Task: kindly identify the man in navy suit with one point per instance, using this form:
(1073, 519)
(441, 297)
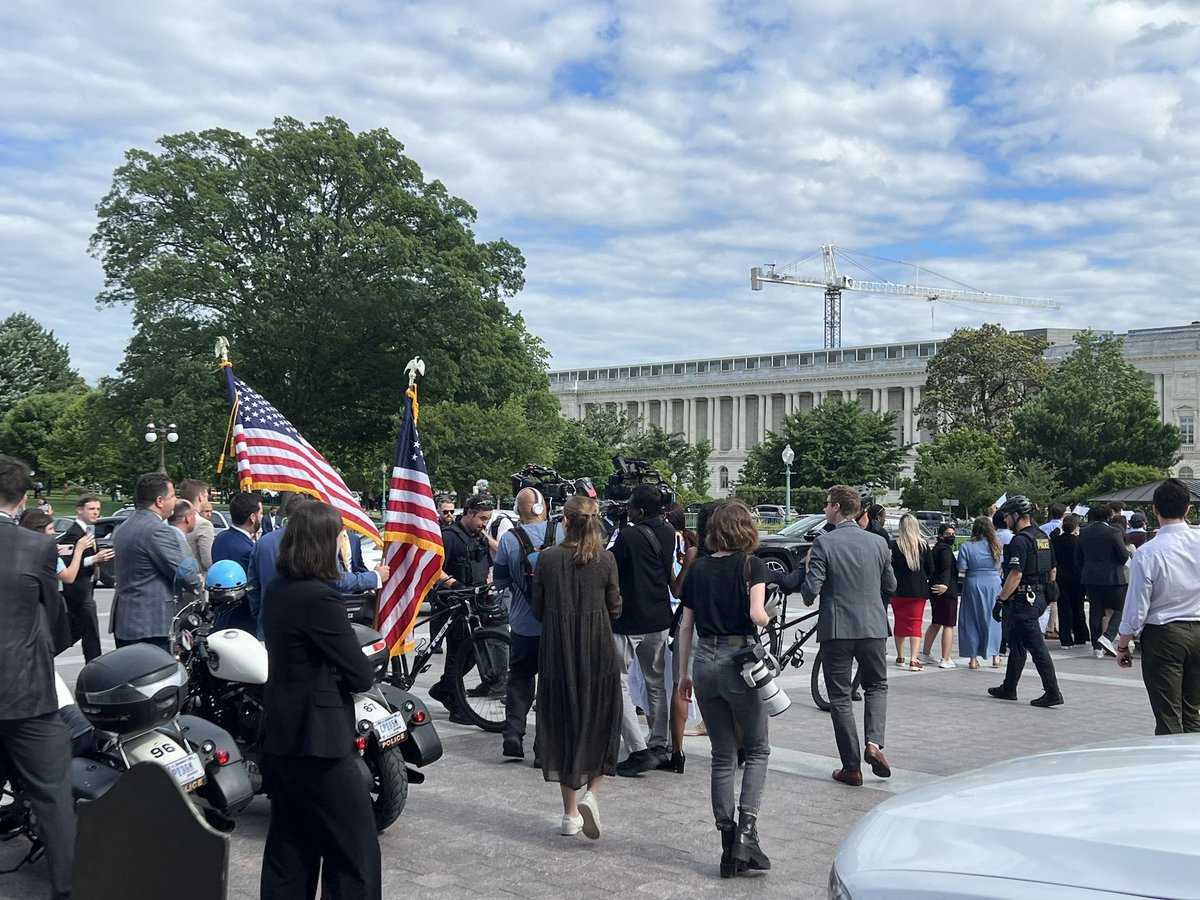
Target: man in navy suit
(356, 578)
(237, 543)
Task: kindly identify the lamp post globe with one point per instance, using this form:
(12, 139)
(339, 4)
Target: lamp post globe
(788, 456)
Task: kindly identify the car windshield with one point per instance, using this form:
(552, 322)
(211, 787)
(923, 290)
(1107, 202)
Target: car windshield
(803, 525)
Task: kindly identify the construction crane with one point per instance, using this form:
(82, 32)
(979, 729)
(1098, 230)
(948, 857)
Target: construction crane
(834, 283)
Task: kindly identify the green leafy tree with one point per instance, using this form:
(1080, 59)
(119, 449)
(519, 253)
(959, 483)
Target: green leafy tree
(835, 443)
(1037, 480)
(328, 261)
(1098, 409)
(29, 424)
(93, 442)
(683, 465)
(1118, 476)
(464, 442)
(32, 361)
(576, 455)
(963, 464)
(610, 428)
(979, 378)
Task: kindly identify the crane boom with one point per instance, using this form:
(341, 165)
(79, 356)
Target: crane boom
(833, 283)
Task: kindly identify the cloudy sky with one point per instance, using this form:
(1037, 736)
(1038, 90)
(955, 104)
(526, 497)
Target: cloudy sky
(644, 155)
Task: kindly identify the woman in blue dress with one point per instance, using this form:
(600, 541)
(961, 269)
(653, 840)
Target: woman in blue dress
(979, 564)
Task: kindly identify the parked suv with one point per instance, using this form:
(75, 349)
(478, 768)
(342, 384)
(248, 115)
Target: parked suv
(773, 513)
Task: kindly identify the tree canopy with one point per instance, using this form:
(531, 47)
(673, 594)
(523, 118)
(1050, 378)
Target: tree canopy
(328, 261)
(965, 465)
(979, 378)
(837, 442)
(1098, 409)
(32, 361)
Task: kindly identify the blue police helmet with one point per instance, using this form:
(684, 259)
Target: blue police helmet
(225, 575)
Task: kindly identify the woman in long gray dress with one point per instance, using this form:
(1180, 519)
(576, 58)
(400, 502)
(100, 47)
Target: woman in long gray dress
(979, 564)
(575, 597)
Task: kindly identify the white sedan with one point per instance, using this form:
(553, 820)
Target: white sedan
(1108, 820)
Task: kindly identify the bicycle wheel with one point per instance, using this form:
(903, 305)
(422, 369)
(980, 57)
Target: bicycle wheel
(481, 678)
(820, 692)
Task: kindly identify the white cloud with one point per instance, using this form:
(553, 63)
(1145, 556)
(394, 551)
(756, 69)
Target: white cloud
(1049, 154)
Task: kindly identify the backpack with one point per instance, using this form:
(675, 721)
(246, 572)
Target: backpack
(529, 555)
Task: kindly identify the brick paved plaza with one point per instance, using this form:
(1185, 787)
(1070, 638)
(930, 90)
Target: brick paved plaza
(483, 826)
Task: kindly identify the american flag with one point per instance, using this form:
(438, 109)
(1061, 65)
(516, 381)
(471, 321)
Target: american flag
(413, 550)
(271, 455)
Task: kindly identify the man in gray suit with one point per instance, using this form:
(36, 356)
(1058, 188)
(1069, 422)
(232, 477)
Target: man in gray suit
(849, 567)
(200, 538)
(35, 629)
(148, 554)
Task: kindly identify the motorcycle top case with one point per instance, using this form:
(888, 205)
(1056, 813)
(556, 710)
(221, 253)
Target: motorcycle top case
(132, 688)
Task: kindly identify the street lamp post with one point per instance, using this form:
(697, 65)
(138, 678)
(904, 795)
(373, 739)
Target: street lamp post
(386, 471)
(788, 456)
(165, 434)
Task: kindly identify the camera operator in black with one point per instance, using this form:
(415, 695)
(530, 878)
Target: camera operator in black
(1028, 582)
(466, 564)
(645, 552)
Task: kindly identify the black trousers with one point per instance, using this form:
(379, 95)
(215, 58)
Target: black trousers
(39, 750)
(1072, 621)
(522, 679)
(837, 659)
(85, 627)
(1025, 638)
(1100, 598)
(322, 831)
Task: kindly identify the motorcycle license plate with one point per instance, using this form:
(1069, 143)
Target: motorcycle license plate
(390, 730)
(187, 772)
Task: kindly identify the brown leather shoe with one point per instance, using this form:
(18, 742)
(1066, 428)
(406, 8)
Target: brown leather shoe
(854, 779)
(874, 757)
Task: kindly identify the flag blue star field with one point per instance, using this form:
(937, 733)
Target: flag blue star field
(272, 455)
(413, 548)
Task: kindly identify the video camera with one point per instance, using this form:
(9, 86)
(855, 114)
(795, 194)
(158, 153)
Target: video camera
(632, 472)
(552, 486)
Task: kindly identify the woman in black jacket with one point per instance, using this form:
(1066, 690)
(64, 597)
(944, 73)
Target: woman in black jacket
(943, 597)
(322, 828)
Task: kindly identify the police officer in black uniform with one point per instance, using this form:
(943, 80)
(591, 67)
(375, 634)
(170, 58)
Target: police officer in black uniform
(466, 564)
(1029, 569)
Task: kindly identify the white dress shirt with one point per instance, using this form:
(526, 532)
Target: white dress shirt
(1164, 580)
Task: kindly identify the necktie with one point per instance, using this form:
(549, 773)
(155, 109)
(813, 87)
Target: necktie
(344, 549)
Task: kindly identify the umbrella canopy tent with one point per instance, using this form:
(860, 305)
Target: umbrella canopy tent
(1144, 493)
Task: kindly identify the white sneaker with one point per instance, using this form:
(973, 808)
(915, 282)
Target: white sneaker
(926, 659)
(1105, 642)
(571, 825)
(589, 811)
(947, 664)
(1097, 654)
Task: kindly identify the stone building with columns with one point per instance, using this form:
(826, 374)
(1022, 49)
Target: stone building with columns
(733, 401)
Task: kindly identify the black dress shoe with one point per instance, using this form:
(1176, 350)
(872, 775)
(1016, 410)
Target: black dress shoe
(636, 763)
(1047, 700)
(513, 748)
(1000, 693)
(459, 718)
(442, 694)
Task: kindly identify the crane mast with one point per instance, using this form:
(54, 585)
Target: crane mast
(834, 283)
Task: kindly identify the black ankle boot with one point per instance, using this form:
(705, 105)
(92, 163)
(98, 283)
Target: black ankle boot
(673, 763)
(746, 851)
(728, 865)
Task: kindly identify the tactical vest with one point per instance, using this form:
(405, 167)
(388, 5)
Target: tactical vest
(1042, 557)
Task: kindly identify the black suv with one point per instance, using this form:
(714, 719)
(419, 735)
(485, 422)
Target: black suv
(784, 551)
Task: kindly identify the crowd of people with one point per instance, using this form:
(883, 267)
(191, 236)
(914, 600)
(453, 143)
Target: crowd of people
(618, 626)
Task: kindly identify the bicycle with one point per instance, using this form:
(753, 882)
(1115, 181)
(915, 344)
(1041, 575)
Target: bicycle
(480, 667)
(771, 636)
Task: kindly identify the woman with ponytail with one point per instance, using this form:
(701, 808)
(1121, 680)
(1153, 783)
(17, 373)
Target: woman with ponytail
(575, 597)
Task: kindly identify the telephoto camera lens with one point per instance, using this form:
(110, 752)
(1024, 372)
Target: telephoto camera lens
(757, 674)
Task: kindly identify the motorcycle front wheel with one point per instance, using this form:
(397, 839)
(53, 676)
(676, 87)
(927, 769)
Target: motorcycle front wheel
(390, 790)
(481, 678)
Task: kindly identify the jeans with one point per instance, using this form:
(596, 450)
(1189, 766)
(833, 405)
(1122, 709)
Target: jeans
(1025, 638)
(1171, 673)
(837, 658)
(651, 652)
(1100, 598)
(728, 703)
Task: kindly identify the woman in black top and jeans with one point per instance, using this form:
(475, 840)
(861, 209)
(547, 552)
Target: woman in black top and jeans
(724, 604)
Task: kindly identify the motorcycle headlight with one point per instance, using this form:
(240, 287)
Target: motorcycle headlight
(837, 887)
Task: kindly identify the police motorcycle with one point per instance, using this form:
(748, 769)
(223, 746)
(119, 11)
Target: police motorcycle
(126, 711)
(227, 671)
